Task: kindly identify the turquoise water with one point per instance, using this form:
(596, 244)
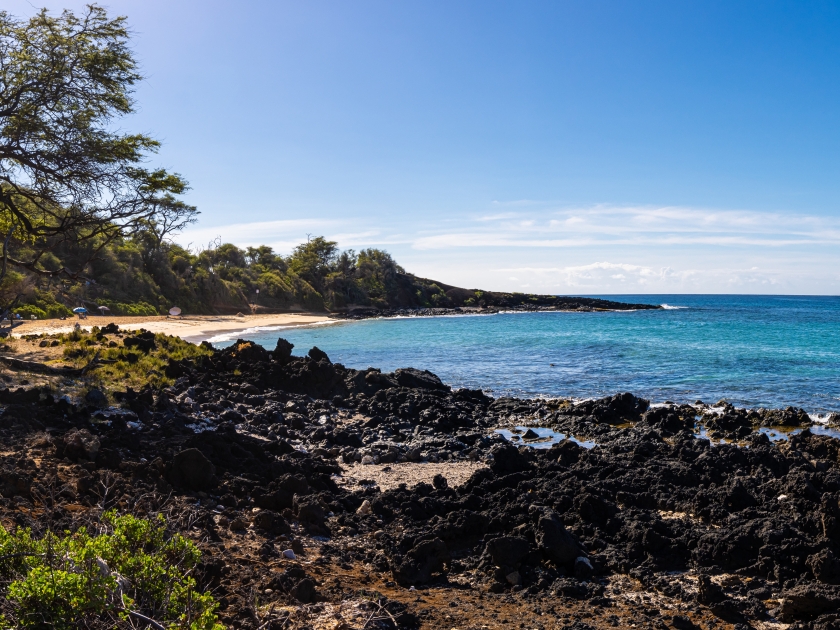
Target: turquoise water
(769, 351)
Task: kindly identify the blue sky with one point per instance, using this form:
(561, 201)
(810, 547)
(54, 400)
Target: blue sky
(568, 147)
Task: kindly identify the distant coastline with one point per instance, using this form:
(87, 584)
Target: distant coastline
(198, 328)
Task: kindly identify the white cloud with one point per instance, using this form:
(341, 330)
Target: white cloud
(665, 226)
(634, 249)
(258, 233)
(611, 277)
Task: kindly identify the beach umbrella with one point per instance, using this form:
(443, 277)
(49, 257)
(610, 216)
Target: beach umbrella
(174, 311)
(80, 309)
(104, 308)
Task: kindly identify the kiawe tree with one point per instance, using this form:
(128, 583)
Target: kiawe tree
(168, 214)
(66, 172)
(313, 260)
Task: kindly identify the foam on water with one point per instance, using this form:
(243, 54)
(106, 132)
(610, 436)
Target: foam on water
(259, 331)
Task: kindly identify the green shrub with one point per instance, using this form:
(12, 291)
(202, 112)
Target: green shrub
(138, 309)
(44, 306)
(27, 310)
(133, 569)
(134, 308)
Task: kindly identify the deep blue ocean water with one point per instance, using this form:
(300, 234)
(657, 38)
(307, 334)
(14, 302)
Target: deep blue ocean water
(770, 351)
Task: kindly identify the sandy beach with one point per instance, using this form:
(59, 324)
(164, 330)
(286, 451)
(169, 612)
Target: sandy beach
(194, 328)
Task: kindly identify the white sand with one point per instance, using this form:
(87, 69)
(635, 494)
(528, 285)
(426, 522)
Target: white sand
(192, 328)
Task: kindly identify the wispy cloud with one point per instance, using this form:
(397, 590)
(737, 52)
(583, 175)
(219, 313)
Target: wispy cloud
(259, 232)
(284, 235)
(665, 226)
(564, 228)
(606, 277)
(635, 249)
(519, 202)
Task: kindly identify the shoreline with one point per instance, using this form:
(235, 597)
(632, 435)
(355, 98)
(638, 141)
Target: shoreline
(198, 328)
(475, 509)
(194, 328)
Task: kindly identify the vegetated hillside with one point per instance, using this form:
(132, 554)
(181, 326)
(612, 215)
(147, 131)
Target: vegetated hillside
(142, 276)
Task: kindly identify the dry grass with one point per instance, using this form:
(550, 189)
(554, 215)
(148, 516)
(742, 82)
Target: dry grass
(122, 367)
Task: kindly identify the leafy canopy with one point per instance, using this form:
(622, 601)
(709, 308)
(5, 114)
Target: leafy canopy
(67, 174)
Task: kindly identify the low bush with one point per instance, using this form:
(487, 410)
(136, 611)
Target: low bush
(131, 574)
(27, 310)
(126, 366)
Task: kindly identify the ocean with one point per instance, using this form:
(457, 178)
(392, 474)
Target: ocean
(753, 351)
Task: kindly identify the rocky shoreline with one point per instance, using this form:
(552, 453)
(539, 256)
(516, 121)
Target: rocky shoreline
(327, 497)
(582, 305)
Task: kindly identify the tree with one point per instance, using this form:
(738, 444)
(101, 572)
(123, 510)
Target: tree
(265, 257)
(313, 260)
(170, 215)
(65, 174)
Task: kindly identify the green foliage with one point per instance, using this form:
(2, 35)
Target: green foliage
(43, 305)
(313, 260)
(132, 566)
(70, 176)
(127, 367)
(142, 276)
(28, 310)
(136, 308)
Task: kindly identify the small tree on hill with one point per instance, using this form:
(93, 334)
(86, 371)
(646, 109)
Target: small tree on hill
(313, 260)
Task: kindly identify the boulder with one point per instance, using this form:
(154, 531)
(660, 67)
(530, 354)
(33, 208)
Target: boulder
(788, 417)
(96, 398)
(14, 483)
(508, 551)
(555, 542)
(583, 568)
(667, 421)
(440, 482)
(81, 444)
(293, 484)
(271, 523)
(283, 351)
(312, 516)
(708, 592)
(316, 354)
(191, 469)
(507, 459)
(248, 352)
(278, 499)
(144, 341)
(418, 565)
(419, 379)
(807, 601)
(304, 591)
(825, 566)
